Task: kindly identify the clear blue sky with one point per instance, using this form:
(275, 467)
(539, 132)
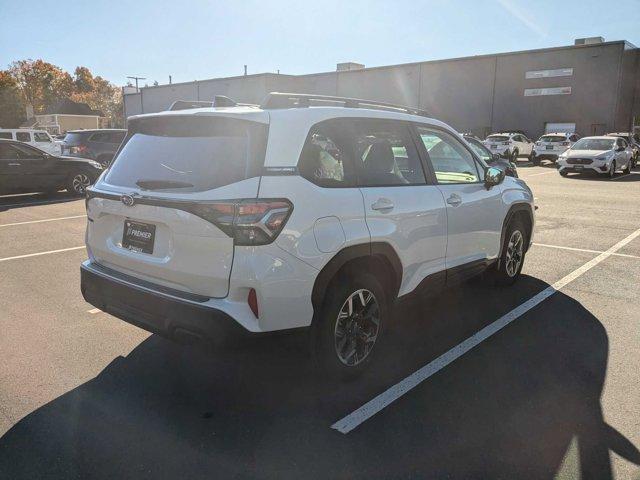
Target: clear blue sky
(192, 39)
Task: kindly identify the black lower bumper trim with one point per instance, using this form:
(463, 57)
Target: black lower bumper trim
(170, 317)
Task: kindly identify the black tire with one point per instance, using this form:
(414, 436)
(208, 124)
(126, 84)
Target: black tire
(535, 160)
(563, 173)
(612, 170)
(507, 272)
(627, 169)
(328, 348)
(532, 156)
(78, 182)
(514, 156)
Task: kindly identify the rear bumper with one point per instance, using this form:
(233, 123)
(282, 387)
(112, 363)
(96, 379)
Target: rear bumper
(172, 314)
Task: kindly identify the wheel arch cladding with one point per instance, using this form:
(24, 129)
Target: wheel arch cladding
(523, 212)
(378, 257)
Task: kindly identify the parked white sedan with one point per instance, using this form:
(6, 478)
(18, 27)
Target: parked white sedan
(603, 155)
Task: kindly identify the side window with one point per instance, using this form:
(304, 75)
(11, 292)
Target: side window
(6, 135)
(324, 157)
(7, 152)
(385, 155)
(41, 137)
(23, 136)
(27, 152)
(451, 161)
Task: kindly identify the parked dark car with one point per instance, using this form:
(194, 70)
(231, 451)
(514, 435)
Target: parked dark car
(24, 168)
(100, 145)
(491, 159)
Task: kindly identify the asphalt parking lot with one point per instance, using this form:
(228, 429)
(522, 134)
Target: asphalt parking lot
(550, 391)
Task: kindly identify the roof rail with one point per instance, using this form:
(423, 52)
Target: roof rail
(277, 100)
(218, 101)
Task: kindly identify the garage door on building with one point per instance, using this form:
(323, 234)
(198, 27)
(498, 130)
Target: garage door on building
(559, 127)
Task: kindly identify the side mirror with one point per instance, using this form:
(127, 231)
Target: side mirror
(493, 176)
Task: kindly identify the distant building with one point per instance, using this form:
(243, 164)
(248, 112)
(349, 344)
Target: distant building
(67, 115)
(592, 87)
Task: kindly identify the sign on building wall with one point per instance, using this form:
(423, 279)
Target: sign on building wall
(559, 72)
(535, 92)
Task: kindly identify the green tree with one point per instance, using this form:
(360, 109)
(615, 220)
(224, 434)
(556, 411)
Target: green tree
(12, 108)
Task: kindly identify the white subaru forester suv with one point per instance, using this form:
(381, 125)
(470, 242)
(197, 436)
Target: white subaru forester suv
(306, 212)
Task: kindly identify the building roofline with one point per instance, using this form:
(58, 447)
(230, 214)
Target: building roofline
(625, 43)
(253, 75)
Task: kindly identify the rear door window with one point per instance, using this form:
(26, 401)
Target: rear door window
(23, 136)
(189, 154)
(6, 135)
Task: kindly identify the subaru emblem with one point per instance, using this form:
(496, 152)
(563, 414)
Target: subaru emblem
(127, 199)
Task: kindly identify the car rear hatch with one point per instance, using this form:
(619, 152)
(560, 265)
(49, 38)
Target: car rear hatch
(158, 212)
(553, 142)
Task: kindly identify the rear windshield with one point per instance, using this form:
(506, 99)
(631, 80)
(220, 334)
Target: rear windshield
(75, 138)
(497, 138)
(594, 144)
(189, 154)
(553, 138)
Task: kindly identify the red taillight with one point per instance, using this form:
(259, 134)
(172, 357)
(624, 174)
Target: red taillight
(249, 222)
(252, 300)
(78, 150)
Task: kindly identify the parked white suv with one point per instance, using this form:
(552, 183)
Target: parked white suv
(603, 155)
(294, 215)
(551, 145)
(36, 138)
(510, 145)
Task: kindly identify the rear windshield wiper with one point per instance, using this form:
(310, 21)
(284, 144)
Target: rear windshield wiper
(160, 184)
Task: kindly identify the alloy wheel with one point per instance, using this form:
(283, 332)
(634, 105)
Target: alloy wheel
(515, 253)
(80, 182)
(357, 327)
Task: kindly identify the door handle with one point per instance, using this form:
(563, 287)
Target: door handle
(382, 204)
(454, 200)
(15, 164)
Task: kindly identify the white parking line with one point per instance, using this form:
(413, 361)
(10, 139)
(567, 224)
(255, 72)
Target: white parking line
(369, 409)
(561, 247)
(94, 310)
(40, 253)
(41, 221)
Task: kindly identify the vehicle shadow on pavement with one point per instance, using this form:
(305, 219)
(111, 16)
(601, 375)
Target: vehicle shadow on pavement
(510, 408)
(30, 199)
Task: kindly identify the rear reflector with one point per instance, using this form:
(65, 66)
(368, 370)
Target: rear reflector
(252, 300)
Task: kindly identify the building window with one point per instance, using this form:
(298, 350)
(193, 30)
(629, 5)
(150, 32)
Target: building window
(559, 72)
(536, 92)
